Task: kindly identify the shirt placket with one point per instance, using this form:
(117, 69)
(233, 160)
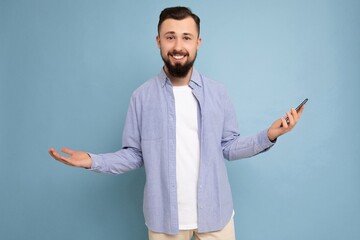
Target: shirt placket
(172, 157)
(201, 196)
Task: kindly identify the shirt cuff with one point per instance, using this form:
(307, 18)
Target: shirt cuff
(265, 141)
(96, 163)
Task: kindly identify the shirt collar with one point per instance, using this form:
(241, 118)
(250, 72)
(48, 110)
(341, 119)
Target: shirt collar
(195, 79)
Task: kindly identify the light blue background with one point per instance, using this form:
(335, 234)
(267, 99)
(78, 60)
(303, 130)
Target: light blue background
(68, 68)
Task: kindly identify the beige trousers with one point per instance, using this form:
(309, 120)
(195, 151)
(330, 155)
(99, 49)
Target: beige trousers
(227, 233)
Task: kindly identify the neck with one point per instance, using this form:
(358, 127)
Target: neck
(179, 81)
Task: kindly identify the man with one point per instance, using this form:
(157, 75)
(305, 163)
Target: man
(180, 126)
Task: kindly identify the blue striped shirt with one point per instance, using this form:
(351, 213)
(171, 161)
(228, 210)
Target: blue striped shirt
(149, 140)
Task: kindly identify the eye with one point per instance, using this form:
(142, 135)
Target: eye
(170, 37)
(187, 38)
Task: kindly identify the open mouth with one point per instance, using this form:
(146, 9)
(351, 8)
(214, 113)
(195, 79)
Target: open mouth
(178, 55)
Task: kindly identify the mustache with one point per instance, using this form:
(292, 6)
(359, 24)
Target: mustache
(175, 52)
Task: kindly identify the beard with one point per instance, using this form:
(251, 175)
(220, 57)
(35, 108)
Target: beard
(178, 70)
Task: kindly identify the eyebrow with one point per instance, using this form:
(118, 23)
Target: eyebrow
(172, 32)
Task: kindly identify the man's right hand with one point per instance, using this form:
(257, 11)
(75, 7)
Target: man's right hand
(76, 158)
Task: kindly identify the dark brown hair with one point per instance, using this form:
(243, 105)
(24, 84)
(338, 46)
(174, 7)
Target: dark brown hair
(178, 13)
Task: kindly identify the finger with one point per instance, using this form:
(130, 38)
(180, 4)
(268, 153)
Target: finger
(54, 154)
(68, 151)
(284, 124)
(295, 115)
(60, 158)
(278, 123)
(51, 151)
(291, 118)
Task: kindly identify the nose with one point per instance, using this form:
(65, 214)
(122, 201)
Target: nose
(178, 45)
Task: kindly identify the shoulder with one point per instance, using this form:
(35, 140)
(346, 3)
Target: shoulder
(147, 88)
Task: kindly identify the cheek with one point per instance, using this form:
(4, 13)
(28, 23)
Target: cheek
(164, 48)
(163, 52)
(192, 50)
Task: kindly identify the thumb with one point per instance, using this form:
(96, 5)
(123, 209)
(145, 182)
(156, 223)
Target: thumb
(68, 151)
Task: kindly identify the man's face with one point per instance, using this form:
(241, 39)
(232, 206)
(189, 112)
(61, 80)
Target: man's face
(178, 41)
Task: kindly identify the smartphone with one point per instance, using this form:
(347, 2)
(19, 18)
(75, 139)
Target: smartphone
(297, 110)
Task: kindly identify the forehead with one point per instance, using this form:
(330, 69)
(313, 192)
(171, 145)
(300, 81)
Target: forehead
(186, 25)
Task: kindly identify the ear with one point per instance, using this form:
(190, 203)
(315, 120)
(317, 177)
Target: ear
(158, 41)
(198, 42)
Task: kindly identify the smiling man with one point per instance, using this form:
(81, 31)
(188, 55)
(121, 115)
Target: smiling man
(181, 126)
(179, 40)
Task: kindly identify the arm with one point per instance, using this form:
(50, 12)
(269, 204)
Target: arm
(237, 147)
(124, 160)
(233, 144)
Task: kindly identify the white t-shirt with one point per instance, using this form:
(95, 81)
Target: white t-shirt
(187, 156)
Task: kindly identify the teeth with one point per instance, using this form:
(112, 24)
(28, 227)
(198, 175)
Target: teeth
(178, 57)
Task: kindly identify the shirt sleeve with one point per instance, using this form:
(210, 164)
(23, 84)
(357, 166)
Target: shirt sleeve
(235, 146)
(129, 157)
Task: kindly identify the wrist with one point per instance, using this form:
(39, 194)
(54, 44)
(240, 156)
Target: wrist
(271, 136)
